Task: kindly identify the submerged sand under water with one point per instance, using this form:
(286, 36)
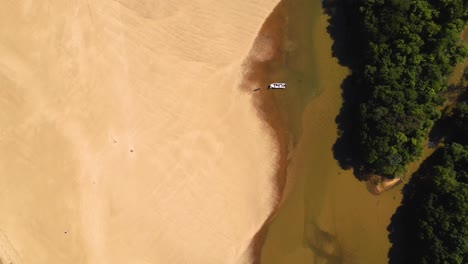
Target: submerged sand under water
(327, 215)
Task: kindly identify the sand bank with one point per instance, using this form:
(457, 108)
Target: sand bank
(377, 184)
(124, 135)
(328, 216)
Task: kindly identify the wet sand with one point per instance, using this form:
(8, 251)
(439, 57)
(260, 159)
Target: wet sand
(326, 215)
(270, 60)
(125, 136)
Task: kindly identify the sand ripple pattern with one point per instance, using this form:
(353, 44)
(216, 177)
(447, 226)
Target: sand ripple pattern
(124, 134)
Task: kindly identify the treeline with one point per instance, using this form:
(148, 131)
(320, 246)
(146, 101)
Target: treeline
(431, 225)
(405, 50)
(409, 47)
(460, 122)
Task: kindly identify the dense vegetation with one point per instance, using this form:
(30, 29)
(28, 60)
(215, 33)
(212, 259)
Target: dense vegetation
(460, 123)
(431, 225)
(408, 48)
(402, 52)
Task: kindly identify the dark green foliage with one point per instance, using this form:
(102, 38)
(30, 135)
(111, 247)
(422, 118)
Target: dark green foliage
(431, 225)
(460, 122)
(410, 46)
(453, 126)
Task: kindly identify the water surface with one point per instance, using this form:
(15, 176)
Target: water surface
(328, 216)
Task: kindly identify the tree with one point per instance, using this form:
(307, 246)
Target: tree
(431, 224)
(460, 120)
(410, 47)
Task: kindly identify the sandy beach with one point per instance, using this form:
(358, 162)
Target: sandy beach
(125, 136)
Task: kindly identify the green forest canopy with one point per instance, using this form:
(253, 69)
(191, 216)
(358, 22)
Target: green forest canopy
(431, 225)
(410, 47)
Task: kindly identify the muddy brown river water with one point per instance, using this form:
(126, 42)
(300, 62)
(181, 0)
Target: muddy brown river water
(327, 215)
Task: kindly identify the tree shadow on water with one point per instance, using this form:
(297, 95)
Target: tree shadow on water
(344, 30)
(347, 48)
(403, 227)
(444, 130)
(343, 147)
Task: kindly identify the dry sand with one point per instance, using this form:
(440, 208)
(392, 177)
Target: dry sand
(124, 135)
(378, 184)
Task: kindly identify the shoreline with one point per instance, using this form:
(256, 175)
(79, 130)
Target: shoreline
(147, 164)
(377, 185)
(268, 48)
(368, 199)
(271, 59)
(258, 65)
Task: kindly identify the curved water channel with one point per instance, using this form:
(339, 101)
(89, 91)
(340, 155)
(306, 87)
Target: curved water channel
(326, 215)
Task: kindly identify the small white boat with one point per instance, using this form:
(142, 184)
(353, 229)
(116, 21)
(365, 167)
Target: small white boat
(277, 86)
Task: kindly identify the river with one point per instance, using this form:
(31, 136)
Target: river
(326, 215)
